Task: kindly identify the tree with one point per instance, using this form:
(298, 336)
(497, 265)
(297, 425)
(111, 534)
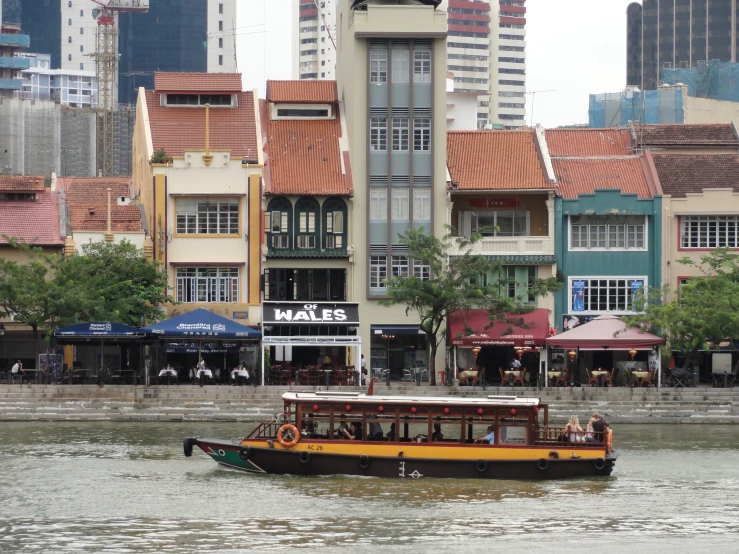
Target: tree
(459, 282)
(703, 313)
(160, 157)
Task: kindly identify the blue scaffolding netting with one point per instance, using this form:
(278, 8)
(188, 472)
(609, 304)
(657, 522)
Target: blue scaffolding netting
(714, 79)
(616, 109)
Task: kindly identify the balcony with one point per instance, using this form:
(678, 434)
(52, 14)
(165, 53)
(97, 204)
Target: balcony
(18, 40)
(540, 248)
(11, 84)
(8, 62)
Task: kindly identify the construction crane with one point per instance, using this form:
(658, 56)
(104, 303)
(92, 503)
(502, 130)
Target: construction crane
(106, 69)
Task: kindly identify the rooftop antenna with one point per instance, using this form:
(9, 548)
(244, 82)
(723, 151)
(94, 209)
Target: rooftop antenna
(533, 94)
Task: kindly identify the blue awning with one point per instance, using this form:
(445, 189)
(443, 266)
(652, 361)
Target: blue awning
(201, 324)
(99, 329)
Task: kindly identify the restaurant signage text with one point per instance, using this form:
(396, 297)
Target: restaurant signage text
(318, 313)
(492, 202)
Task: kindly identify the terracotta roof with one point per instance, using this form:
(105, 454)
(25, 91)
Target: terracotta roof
(179, 129)
(13, 183)
(87, 199)
(588, 142)
(494, 160)
(720, 134)
(681, 174)
(302, 92)
(33, 222)
(197, 82)
(576, 176)
(304, 157)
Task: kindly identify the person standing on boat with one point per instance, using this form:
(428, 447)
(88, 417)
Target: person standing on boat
(489, 438)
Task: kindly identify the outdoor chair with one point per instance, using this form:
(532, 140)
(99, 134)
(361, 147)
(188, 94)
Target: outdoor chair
(680, 377)
(592, 381)
(520, 378)
(351, 375)
(505, 379)
(407, 375)
(610, 379)
(561, 379)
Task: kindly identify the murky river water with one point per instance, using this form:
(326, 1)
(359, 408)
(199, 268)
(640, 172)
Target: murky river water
(97, 487)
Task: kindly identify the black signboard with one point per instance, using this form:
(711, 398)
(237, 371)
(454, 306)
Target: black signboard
(307, 313)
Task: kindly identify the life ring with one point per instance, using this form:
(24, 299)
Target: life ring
(245, 452)
(609, 441)
(288, 430)
(599, 463)
(482, 466)
(542, 464)
(304, 457)
(187, 446)
(364, 461)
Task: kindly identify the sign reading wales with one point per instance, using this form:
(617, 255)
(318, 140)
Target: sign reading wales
(341, 313)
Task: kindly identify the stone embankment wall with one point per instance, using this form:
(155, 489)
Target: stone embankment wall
(226, 403)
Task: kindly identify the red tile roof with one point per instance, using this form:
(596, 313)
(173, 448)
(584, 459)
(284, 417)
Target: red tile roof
(302, 92)
(576, 176)
(681, 174)
(304, 157)
(720, 134)
(179, 129)
(13, 183)
(33, 222)
(197, 82)
(588, 142)
(87, 199)
(494, 160)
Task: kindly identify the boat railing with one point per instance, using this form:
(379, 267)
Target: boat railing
(553, 436)
(265, 430)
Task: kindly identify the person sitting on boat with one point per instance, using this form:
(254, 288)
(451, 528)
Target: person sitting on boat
(600, 426)
(437, 434)
(573, 431)
(391, 433)
(355, 433)
(375, 431)
(589, 431)
(489, 438)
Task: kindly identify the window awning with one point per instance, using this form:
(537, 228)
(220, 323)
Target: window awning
(605, 331)
(534, 331)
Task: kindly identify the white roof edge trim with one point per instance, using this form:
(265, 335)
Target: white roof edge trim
(363, 398)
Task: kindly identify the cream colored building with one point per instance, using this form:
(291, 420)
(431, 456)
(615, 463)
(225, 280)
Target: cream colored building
(203, 205)
(391, 84)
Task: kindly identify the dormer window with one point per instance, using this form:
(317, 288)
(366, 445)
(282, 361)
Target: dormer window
(302, 111)
(17, 196)
(222, 100)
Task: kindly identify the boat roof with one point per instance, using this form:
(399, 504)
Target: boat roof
(362, 398)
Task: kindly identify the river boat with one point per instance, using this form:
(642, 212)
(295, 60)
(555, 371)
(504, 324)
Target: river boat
(350, 433)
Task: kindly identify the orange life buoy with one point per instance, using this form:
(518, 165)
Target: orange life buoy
(609, 441)
(288, 430)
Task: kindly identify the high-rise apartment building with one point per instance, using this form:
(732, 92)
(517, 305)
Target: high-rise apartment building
(391, 69)
(314, 39)
(678, 33)
(486, 52)
(174, 35)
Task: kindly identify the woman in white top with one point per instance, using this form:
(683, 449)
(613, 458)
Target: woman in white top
(573, 430)
(589, 431)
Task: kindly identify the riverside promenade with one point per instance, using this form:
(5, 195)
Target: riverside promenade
(248, 403)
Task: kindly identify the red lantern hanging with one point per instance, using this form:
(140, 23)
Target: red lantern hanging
(536, 410)
(513, 411)
(446, 410)
(348, 408)
(480, 411)
(413, 410)
(315, 407)
(380, 408)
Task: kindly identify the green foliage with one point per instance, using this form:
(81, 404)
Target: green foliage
(703, 314)
(461, 281)
(109, 282)
(160, 157)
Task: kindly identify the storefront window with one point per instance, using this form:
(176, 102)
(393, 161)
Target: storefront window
(395, 350)
(311, 285)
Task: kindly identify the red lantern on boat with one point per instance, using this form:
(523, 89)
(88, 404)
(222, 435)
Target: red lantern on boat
(446, 410)
(315, 407)
(480, 411)
(380, 408)
(348, 408)
(513, 411)
(413, 410)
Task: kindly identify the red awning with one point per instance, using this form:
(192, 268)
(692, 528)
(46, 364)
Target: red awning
(497, 333)
(605, 331)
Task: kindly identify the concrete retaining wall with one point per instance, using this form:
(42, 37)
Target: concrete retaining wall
(225, 403)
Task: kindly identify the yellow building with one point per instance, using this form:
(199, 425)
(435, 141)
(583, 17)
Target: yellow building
(202, 195)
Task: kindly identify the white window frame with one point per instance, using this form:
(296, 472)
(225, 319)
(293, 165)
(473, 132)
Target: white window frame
(378, 65)
(421, 134)
(421, 203)
(627, 279)
(618, 231)
(378, 272)
(422, 66)
(401, 134)
(422, 272)
(400, 209)
(400, 265)
(469, 222)
(705, 231)
(378, 134)
(208, 216)
(213, 285)
(401, 65)
(378, 204)
(335, 229)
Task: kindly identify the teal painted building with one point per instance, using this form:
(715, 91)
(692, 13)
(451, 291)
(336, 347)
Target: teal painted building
(608, 244)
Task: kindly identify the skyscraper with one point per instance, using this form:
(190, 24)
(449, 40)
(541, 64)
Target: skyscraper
(677, 33)
(314, 39)
(174, 35)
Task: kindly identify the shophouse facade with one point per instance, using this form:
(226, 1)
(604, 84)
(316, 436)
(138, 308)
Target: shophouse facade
(203, 208)
(307, 254)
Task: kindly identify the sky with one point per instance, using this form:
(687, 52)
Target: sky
(574, 48)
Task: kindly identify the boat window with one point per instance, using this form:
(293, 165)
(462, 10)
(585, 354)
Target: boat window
(512, 435)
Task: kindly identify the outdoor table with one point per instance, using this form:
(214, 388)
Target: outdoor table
(207, 372)
(600, 375)
(640, 377)
(169, 374)
(467, 375)
(237, 374)
(553, 376)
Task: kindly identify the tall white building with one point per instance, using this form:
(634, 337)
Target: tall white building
(221, 36)
(314, 39)
(486, 52)
(72, 87)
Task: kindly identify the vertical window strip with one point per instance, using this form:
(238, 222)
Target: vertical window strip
(378, 66)
(378, 203)
(401, 58)
(378, 272)
(421, 134)
(400, 206)
(400, 133)
(422, 66)
(378, 134)
(421, 203)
